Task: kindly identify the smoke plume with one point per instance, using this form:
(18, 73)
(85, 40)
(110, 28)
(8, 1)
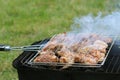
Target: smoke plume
(103, 25)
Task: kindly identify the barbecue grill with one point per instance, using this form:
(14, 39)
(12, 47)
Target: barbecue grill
(109, 71)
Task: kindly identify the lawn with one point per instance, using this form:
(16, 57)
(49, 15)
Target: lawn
(23, 22)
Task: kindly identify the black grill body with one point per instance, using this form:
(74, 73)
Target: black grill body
(109, 71)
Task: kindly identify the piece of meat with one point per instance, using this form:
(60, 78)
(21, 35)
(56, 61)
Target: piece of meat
(66, 56)
(78, 57)
(97, 54)
(100, 44)
(89, 59)
(46, 57)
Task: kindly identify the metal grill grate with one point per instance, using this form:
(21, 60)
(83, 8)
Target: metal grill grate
(112, 64)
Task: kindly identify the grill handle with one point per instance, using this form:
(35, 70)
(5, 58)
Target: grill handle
(23, 48)
(4, 48)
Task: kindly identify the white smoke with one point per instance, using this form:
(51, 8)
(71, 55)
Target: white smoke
(82, 27)
(103, 25)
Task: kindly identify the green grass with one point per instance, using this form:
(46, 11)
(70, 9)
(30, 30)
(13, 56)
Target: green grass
(23, 22)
